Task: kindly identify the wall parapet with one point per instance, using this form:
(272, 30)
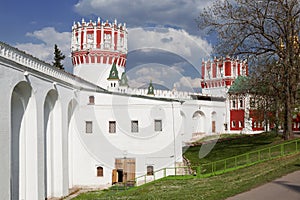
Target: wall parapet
(31, 62)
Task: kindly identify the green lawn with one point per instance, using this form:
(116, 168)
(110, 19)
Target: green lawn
(217, 187)
(231, 147)
(213, 188)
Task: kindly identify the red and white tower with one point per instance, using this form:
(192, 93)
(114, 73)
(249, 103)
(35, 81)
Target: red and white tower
(95, 47)
(219, 74)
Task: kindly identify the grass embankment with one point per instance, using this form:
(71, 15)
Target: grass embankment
(217, 187)
(228, 147)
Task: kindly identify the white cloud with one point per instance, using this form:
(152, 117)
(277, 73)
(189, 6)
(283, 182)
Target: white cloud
(45, 49)
(188, 82)
(179, 42)
(177, 13)
(166, 76)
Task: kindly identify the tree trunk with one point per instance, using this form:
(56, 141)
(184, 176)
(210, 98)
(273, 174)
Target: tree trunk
(288, 131)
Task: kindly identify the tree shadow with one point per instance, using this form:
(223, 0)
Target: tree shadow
(288, 185)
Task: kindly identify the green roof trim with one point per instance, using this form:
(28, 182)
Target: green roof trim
(150, 89)
(113, 74)
(241, 85)
(124, 80)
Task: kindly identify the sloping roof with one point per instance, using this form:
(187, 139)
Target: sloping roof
(113, 75)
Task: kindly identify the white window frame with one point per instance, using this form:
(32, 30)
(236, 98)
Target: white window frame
(233, 105)
(241, 124)
(233, 124)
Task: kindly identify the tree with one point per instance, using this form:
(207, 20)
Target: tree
(263, 31)
(58, 57)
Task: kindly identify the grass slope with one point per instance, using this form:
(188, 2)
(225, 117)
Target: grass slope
(217, 187)
(231, 147)
(213, 188)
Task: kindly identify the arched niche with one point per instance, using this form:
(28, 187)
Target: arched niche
(52, 145)
(23, 157)
(199, 126)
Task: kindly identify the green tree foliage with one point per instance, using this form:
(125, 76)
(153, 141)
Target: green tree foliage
(58, 58)
(265, 32)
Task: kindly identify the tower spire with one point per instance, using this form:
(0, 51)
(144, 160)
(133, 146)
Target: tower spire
(150, 89)
(113, 75)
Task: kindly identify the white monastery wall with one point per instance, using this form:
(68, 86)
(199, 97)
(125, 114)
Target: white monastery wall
(147, 146)
(199, 116)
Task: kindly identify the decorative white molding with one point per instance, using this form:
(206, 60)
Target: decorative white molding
(20, 57)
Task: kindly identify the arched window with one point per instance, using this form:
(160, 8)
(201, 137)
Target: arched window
(233, 103)
(241, 124)
(233, 124)
(241, 103)
(213, 122)
(91, 100)
(99, 171)
(149, 170)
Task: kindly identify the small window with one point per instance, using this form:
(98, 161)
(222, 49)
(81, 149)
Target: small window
(89, 127)
(233, 123)
(252, 103)
(150, 170)
(254, 124)
(91, 100)
(100, 171)
(157, 125)
(233, 103)
(134, 126)
(241, 103)
(112, 127)
(241, 124)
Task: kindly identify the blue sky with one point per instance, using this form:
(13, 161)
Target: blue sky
(164, 43)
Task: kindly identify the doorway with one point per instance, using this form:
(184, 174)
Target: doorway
(124, 171)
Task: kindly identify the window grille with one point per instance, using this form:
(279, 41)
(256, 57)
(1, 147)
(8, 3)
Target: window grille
(134, 126)
(112, 127)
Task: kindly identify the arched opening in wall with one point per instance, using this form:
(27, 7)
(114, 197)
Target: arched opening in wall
(183, 121)
(52, 145)
(213, 122)
(199, 127)
(73, 105)
(23, 157)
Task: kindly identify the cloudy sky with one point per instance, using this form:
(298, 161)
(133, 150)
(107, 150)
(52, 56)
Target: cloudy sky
(164, 43)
